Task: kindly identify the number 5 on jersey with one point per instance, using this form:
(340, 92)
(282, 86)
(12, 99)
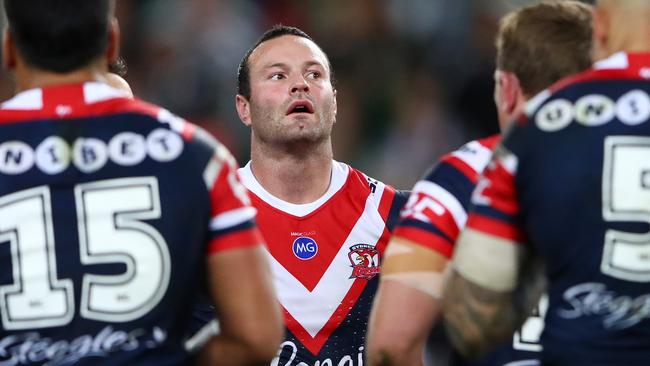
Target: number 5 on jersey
(626, 197)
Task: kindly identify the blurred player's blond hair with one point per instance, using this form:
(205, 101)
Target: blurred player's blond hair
(548, 33)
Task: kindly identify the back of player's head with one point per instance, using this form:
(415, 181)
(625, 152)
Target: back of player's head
(621, 25)
(243, 72)
(59, 35)
(545, 42)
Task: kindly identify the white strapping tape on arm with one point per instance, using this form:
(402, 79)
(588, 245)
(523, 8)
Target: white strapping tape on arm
(488, 261)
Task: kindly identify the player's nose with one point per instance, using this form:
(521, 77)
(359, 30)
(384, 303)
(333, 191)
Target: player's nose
(299, 84)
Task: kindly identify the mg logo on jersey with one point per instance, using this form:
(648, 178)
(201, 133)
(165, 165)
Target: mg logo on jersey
(365, 261)
(305, 248)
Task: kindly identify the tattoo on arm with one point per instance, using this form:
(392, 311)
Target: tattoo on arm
(477, 319)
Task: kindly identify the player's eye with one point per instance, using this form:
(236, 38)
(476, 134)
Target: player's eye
(314, 74)
(277, 76)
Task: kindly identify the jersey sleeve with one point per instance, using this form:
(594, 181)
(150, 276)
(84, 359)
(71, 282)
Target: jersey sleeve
(495, 207)
(232, 218)
(489, 251)
(436, 210)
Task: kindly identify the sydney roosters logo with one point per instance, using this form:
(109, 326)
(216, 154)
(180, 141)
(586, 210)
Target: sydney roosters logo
(365, 261)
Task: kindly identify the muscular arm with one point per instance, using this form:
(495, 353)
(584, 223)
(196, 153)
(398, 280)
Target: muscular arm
(250, 321)
(484, 306)
(477, 319)
(406, 304)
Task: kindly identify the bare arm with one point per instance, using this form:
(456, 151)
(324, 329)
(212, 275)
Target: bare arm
(249, 316)
(478, 319)
(492, 297)
(406, 305)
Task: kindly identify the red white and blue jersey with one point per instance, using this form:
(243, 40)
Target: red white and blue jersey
(109, 208)
(436, 210)
(435, 214)
(571, 183)
(325, 257)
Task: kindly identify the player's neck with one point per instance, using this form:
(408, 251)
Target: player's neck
(296, 176)
(29, 78)
(631, 34)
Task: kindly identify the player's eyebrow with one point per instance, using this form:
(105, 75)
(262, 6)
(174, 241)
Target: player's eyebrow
(283, 65)
(280, 65)
(313, 63)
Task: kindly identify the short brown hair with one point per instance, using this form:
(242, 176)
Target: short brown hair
(279, 30)
(544, 43)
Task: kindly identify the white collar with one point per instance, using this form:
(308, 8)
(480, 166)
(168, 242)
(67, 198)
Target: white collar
(340, 173)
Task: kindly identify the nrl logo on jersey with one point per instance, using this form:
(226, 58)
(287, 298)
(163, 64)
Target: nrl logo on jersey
(365, 261)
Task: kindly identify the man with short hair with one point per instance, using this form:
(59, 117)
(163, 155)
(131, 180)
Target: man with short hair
(326, 224)
(536, 46)
(568, 186)
(114, 213)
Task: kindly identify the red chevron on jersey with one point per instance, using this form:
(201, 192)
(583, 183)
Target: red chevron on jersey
(317, 250)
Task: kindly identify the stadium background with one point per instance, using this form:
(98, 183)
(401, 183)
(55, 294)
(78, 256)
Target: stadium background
(414, 77)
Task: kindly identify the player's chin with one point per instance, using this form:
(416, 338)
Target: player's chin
(305, 134)
(301, 118)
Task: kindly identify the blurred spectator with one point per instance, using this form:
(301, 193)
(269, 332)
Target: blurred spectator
(414, 77)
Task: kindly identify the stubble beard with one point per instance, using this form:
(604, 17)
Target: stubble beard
(273, 127)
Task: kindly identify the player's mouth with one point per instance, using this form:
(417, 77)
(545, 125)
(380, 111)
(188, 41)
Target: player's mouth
(300, 106)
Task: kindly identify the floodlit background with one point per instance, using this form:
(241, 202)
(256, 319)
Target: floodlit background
(414, 77)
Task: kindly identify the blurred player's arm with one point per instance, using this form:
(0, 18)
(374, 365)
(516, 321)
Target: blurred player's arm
(492, 288)
(250, 321)
(494, 284)
(239, 279)
(406, 304)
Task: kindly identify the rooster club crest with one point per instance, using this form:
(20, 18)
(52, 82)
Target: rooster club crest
(365, 261)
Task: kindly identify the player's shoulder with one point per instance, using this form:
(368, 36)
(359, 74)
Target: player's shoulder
(387, 200)
(614, 88)
(358, 180)
(469, 160)
(95, 101)
(192, 135)
(474, 153)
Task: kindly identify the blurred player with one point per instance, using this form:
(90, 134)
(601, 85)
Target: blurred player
(113, 210)
(536, 46)
(115, 76)
(118, 82)
(569, 185)
(326, 224)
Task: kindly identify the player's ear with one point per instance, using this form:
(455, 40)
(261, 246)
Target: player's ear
(243, 109)
(9, 50)
(510, 91)
(501, 90)
(600, 24)
(113, 49)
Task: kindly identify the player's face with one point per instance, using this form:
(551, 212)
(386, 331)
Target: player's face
(292, 98)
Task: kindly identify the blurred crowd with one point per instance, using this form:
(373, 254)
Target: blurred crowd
(414, 77)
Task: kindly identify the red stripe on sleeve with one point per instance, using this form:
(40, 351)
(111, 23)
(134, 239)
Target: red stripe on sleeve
(463, 167)
(227, 192)
(443, 221)
(501, 190)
